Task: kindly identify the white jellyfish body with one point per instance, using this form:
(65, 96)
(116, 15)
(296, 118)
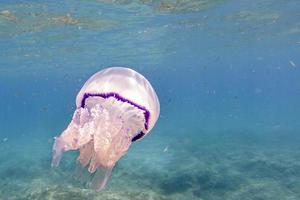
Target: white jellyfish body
(115, 107)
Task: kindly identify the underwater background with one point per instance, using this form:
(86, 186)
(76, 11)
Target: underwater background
(227, 73)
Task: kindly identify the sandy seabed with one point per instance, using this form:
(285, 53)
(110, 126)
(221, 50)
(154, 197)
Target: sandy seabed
(213, 166)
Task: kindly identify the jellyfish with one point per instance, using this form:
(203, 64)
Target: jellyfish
(115, 107)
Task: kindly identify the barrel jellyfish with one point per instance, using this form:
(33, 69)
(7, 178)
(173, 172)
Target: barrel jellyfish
(115, 107)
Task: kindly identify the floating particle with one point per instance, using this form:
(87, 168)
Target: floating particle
(292, 63)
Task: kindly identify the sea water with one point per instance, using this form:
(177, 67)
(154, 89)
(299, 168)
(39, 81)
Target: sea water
(227, 74)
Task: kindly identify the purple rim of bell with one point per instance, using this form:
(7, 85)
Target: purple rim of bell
(119, 98)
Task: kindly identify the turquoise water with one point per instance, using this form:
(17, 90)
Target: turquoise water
(227, 74)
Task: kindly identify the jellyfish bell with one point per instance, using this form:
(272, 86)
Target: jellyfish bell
(115, 107)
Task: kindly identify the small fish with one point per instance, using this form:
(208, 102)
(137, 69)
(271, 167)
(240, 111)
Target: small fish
(166, 148)
(4, 139)
(292, 63)
(44, 109)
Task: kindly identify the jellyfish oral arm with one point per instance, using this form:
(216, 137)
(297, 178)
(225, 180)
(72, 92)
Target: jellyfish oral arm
(63, 143)
(103, 133)
(73, 137)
